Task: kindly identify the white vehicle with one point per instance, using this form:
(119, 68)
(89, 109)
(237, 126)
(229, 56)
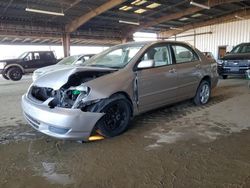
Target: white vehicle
(64, 63)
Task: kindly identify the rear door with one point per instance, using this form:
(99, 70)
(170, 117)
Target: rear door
(47, 59)
(188, 66)
(157, 86)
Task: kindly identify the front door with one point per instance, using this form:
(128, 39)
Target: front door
(157, 86)
(28, 62)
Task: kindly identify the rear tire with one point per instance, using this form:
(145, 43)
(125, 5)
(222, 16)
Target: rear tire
(15, 73)
(116, 118)
(5, 76)
(224, 77)
(203, 93)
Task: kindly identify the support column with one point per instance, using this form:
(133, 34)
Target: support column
(194, 38)
(66, 44)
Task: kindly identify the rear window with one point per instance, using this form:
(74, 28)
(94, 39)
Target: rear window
(46, 55)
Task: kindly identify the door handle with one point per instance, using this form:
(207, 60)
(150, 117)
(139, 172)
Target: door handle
(172, 70)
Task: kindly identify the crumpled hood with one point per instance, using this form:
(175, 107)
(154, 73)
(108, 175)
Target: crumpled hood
(229, 57)
(56, 79)
(51, 68)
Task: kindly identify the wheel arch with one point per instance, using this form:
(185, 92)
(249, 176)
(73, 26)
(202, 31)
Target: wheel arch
(14, 66)
(206, 78)
(117, 95)
(126, 95)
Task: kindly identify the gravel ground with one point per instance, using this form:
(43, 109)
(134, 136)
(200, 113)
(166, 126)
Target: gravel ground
(177, 146)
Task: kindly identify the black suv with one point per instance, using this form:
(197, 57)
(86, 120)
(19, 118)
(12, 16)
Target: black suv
(13, 69)
(237, 62)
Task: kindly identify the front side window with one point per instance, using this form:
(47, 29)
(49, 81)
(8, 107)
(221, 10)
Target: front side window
(28, 57)
(183, 54)
(85, 58)
(160, 55)
(117, 57)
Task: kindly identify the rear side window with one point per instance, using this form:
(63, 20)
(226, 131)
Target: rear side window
(184, 54)
(36, 56)
(46, 55)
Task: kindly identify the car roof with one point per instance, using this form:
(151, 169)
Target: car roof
(82, 55)
(244, 43)
(151, 43)
(40, 51)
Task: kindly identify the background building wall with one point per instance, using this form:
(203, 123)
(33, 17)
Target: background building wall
(209, 38)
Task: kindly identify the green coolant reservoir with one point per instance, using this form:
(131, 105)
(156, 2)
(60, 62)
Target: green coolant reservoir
(76, 92)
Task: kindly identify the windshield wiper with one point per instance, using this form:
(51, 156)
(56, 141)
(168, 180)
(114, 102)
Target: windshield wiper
(103, 66)
(95, 65)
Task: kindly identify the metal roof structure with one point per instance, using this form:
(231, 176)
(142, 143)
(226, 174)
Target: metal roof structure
(103, 22)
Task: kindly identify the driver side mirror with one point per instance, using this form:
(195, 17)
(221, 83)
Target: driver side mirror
(146, 64)
(26, 58)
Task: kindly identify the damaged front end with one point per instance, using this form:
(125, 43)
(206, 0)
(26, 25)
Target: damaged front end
(63, 110)
(71, 95)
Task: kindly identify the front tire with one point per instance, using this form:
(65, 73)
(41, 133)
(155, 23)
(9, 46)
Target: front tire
(203, 93)
(116, 118)
(15, 74)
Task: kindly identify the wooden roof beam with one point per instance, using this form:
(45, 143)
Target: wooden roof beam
(174, 16)
(72, 26)
(227, 18)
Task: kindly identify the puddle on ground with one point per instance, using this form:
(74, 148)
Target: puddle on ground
(49, 172)
(48, 163)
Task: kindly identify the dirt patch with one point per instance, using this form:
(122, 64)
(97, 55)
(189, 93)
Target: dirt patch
(178, 146)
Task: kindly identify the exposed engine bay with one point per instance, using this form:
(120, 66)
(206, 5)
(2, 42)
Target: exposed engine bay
(71, 94)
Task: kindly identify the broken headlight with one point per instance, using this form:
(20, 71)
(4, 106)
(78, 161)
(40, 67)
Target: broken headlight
(78, 94)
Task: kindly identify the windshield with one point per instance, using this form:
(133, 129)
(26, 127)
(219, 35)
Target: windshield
(69, 60)
(116, 57)
(23, 55)
(236, 49)
(242, 48)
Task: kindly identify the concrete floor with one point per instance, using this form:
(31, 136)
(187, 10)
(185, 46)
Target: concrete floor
(178, 146)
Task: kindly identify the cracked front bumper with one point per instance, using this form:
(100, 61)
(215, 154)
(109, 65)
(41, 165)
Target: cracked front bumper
(61, 123)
